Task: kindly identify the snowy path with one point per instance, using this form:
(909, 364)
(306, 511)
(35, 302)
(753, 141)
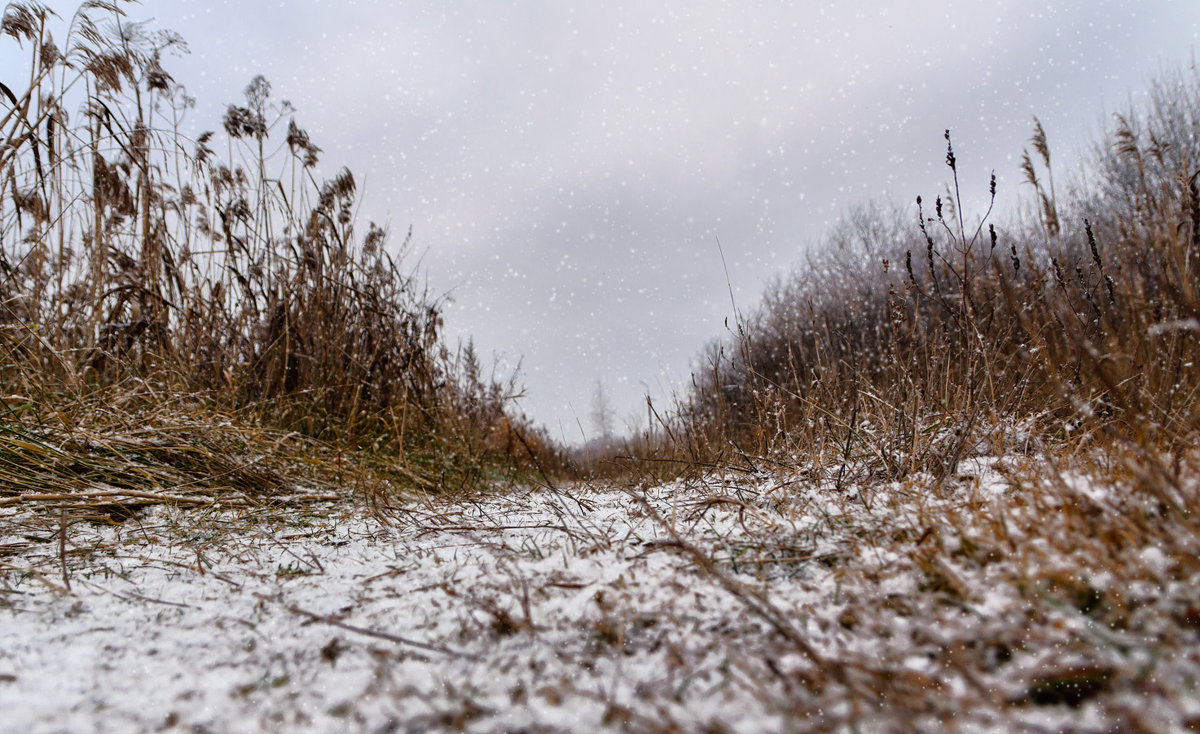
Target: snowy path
(536, 613)
(531, 614)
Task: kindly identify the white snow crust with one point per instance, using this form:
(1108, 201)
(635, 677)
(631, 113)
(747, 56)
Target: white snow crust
(536, 612)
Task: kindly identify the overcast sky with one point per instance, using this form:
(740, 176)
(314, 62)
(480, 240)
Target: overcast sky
(567, 167)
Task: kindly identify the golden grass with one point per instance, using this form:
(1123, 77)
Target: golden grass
(185, 325)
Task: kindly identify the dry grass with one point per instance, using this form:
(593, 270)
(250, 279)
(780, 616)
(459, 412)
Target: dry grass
(905, 346)
(982, 437)
(1066, 347)
(187, 318)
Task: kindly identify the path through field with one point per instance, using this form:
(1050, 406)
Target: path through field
(712, 607)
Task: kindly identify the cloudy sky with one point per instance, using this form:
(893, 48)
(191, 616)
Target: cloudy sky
(568, 167)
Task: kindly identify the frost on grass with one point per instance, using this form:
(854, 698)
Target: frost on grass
(728, 604)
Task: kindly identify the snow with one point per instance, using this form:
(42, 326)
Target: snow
(548, 611)
(510, 606)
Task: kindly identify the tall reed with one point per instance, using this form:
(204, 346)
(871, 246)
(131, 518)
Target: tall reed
(142, 263)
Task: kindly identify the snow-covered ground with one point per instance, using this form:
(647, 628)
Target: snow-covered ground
(720, 606)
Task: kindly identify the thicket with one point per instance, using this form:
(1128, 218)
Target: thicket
(914, 337)
(208, 312)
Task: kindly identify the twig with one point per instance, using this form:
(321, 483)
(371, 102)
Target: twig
(754, 601)
(106, 494)
(380, 635)
(62, 544)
